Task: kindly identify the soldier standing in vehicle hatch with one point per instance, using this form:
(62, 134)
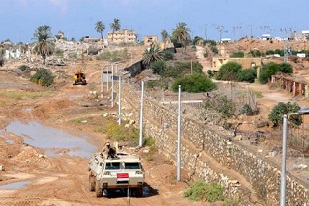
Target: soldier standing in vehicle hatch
(108, 151)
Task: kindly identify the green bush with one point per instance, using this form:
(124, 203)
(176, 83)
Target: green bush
(272, 68)
(199, 190)
(246, 109)
(120, 133)
(237, 55)
(158, 67)
(180, 69)
(43, 77)
(114, 56)
(255, 53)
(222, 104)
(285, 67)
(210, 73)
(167, 55)
(59, 52)
(194, 83)
(229, 71)
(276, 115)
(247, 75)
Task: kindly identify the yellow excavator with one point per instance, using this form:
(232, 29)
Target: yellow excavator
(79, 77)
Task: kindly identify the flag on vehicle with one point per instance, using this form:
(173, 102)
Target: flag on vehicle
(122, 177)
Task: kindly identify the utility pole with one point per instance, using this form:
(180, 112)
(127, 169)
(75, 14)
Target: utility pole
(112, 94)
(119, 102)
(179, 136)
(102, 82)
(141, 117)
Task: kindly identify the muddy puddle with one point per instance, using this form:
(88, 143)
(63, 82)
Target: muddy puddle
(51, 139)
(15, 185)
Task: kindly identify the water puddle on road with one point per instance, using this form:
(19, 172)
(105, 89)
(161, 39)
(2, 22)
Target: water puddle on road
(38, 135)
(15, 185)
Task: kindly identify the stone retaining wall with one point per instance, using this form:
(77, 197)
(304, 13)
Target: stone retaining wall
(201, 143)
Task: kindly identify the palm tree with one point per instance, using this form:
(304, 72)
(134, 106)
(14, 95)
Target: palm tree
(181, 34)
(164, 35)
(99, 27)
(115, 27)
(43, 46)
(152, 54)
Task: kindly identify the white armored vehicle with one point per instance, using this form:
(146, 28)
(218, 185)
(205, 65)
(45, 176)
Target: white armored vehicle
(111, 174)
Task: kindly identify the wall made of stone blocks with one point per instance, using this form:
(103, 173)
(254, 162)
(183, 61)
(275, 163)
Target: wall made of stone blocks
(197, 138)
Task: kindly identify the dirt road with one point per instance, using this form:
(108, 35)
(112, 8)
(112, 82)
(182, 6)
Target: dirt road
(47, 136)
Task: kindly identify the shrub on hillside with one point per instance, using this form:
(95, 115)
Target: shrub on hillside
(255, 53)
(43, 77)
(200, 190)
(194, 83)
(158, 67)
(237, 55)
(222, 104)
(167, 55)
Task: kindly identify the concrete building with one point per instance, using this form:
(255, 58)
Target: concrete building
(246, 63)
(122, 36)
(150, 39)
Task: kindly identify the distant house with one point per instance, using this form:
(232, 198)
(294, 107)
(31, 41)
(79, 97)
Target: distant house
(266, 36)
(246, 63)
(121, 36)
(225, 40)
(150, 39)
(91, 39)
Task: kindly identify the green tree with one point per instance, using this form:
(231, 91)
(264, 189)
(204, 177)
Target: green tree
(229, 71)
(182, 35)
(152, 54)
(43, 46)
(99, 27)
(164, 35)
(194, 83)
(115, 26)
(276, 115)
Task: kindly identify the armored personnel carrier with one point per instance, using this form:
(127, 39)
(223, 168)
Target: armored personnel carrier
(111, 174)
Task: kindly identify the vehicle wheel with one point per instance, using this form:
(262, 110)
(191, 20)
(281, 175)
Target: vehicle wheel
(91, 185)
(98, 189)
(139, 192)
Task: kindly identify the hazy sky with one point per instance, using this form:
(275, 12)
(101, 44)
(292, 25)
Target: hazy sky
(77, 18)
